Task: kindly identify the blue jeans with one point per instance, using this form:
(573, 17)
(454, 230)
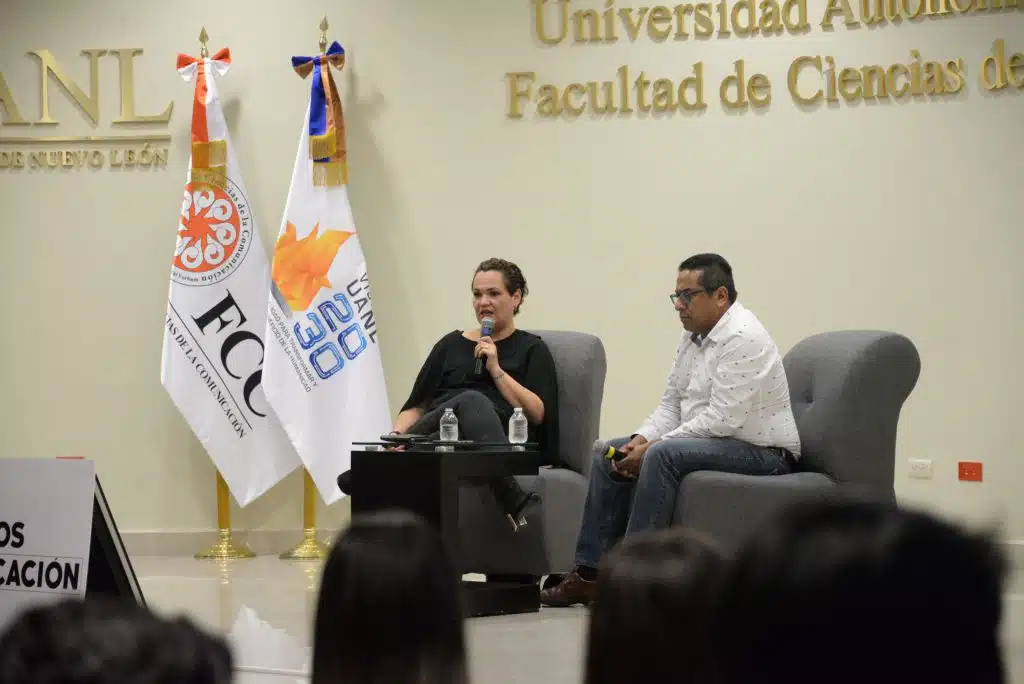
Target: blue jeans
(615, 507)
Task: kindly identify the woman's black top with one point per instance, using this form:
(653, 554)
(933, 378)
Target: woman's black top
(448, 370)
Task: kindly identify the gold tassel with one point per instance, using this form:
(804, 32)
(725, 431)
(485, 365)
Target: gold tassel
(209, 154)
(330, 174)
(322, 146)
(216, 176)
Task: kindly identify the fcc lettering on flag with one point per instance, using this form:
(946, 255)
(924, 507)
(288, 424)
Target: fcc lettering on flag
(213, 351)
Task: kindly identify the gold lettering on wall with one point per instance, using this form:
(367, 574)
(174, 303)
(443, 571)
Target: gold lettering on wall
(12, 115)
(999, 72)
(540, 26)
(586, 26)
(625, 93)
(89, 104)
(558, 21)
(126, 79)
(659, 24)
(52, 71)
(874, 82)
(836, 8)
(519, 89)
(811, 80)
(138, 157)
(793, 80)
(555, 22)
(142, 151)
(738, 92)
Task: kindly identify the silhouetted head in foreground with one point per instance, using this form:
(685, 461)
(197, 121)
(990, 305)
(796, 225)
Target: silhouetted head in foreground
(102, 642)
(862, 592)
(389, 609)
(650, 618)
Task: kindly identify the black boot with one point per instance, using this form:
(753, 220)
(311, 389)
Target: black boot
(513, 499)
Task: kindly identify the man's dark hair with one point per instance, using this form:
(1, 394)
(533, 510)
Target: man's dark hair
(99, 641)
(856, 591)
(514, 279)
(715, 272)
(652, 609)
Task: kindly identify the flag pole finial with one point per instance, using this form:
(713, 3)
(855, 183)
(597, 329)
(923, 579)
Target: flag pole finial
(204, 38)
(323, 34)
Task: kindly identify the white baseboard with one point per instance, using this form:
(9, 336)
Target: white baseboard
(274, 542)
(188, 543)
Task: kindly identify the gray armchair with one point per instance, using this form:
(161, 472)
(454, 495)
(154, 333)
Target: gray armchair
(547, 544)
(847, 390)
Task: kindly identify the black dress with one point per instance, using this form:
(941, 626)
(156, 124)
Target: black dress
(449, 370)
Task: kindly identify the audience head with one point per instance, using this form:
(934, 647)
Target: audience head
(499, 289)
(389, 609)
(704, 292)
(101, 642)
(848, 592)
(651, 611)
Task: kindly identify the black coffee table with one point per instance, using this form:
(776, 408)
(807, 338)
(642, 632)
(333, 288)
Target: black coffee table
(426, 482)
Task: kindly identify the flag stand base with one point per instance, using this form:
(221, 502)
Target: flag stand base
(226, 548)
(308, 549)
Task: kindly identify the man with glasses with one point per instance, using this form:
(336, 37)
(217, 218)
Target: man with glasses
(726, 408)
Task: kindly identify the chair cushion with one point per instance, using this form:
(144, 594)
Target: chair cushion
(731, 507)
(728, 506)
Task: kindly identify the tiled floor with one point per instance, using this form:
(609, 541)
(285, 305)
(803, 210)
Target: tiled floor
(266, 608)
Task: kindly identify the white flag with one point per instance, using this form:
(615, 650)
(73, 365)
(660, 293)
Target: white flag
(324, 375)
(213, 351)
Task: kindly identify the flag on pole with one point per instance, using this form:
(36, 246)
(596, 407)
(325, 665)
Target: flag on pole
(213, 351)
(324, 375)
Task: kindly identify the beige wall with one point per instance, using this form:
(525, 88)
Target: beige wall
(900, 216)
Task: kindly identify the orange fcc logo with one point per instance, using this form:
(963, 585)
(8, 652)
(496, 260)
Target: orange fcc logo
(214, 234)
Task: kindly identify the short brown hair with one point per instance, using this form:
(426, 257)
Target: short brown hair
(514, 279)
(656, 591)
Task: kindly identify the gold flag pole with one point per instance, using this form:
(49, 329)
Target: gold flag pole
(226, 547)
(323, 35)
(204, 38)
(309, 548)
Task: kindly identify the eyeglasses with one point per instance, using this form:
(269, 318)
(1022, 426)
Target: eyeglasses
(686, 295)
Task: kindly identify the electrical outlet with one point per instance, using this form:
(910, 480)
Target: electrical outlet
(921, 468)
(970, 471)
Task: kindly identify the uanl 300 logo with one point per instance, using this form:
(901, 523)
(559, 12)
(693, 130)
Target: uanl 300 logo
(337, 330)
(214, 235)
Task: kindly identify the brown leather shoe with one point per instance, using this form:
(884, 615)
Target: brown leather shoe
(570, 591)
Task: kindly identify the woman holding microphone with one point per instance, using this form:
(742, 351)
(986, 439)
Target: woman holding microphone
(483, 378)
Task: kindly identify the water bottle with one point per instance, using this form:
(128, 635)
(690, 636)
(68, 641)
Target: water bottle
(518, 429)
(449, 429)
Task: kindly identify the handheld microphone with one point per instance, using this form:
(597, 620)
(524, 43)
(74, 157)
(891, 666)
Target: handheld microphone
(486, 329)
(613, 454)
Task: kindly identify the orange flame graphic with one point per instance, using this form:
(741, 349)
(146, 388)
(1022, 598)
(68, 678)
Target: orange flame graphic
(300, 266)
